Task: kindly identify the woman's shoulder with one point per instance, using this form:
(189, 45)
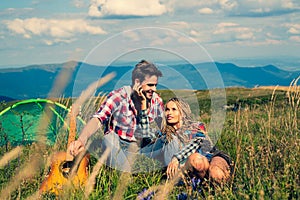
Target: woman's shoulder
(198, 127)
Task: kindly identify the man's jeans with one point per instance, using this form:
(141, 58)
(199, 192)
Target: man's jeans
(122, 153)
(162, 150)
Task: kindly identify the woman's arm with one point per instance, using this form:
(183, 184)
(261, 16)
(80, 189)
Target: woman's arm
(188, 149)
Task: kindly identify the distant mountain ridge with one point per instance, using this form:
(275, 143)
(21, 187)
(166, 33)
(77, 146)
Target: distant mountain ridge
(37, 81)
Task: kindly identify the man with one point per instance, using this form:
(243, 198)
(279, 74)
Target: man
(120, 115)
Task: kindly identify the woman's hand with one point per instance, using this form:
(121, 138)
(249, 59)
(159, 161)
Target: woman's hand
(172, 167)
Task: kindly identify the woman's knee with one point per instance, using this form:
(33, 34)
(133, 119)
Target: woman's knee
(197, 164)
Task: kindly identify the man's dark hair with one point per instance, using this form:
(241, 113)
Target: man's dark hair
(143, 69)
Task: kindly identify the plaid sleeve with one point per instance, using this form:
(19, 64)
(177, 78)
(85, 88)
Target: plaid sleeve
(190, 148)
(108, 107)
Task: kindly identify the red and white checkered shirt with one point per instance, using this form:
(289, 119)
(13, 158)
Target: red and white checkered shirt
(118, 113)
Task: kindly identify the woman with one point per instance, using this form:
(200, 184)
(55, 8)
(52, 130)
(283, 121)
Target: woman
(184, 143)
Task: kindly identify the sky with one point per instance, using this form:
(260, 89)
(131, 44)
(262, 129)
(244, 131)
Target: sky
(117, 31)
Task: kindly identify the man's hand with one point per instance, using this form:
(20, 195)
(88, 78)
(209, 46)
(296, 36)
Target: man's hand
(75, 147)
(172, 167)
(139, 90)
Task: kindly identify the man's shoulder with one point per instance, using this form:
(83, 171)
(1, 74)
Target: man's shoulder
(122, 91)
(156, 97)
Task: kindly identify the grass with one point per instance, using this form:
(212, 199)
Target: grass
(262, 139)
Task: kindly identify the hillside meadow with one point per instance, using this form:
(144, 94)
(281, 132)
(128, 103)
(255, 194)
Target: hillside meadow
(261, 135)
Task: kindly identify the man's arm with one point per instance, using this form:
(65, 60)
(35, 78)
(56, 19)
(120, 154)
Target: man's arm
(89, 129)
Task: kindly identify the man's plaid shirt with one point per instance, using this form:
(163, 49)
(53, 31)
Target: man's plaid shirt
(118, 113)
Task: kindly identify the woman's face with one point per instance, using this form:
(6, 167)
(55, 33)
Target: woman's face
(172, 114)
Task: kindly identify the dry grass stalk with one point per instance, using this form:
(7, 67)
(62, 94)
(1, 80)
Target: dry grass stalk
(14, 153)
(164, 189)
(92, 178)
(125, 178)
(62, 80)
(124, 181)
(89, 91)
(293, 95)
(28, 171)
(34, 196)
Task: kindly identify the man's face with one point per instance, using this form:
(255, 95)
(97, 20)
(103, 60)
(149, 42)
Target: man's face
(149, 86)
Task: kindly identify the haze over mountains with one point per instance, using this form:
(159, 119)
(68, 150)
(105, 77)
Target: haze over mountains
(36, 81)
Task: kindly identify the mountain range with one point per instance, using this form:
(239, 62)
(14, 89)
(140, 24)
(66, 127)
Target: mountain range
(71, 78)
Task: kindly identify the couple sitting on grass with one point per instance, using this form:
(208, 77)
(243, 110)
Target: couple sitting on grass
(130, 114)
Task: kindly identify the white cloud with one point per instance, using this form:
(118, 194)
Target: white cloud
(194, 33)
(206, 11)
(232, 31)
(123, 8)
(228, 4)
(244, 35)
(236, 7)
(186, 40)
(132, 35)
(227, 24)
(271, 35)
(288, 4)
(272, 42)
(265, 8)
(294, 28)
(51, 27)
(189, 3)
(57, 40)
(78, 3)
(102, 8)
(225, 27)
(179, 25)
(295, 38)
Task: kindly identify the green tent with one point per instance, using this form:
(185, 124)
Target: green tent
(21, 124)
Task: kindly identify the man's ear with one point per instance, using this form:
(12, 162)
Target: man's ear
(137, 81)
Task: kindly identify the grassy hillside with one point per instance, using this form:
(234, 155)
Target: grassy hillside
(262, 138)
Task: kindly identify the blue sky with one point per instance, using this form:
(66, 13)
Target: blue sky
(106, 31)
